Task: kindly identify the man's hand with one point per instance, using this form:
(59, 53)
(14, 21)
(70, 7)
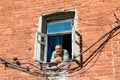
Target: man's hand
(58, 58)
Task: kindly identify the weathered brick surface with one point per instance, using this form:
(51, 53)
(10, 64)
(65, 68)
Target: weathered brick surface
(18, 19)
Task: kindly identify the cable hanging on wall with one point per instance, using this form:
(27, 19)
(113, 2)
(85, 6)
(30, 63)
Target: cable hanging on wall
(99, 49)
(95, 24)
(43, 69)
(89, 24)
(114, 29)
(37, 69)
(116, 9)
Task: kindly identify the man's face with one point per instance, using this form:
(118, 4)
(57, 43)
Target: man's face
(58, 49)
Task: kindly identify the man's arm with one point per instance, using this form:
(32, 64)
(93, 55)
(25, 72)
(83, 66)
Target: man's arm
(55, 58)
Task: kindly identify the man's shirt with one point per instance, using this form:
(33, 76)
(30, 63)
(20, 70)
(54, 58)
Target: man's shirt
(64, 56)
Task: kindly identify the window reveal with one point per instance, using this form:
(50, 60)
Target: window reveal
(55, 31)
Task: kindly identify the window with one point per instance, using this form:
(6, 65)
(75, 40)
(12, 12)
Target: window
(55, 29)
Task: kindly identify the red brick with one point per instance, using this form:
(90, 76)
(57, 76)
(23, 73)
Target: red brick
(18, 19)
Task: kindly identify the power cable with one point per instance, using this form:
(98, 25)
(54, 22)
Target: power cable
(37, 71)
(115, 28)
(94, 24)
(101, 16)
(89, 24)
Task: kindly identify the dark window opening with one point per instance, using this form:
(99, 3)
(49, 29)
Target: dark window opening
(67, 43)
(64, 40)
(56, 29)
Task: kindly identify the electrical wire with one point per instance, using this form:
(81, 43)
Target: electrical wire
(33, 71)
(95, 24)
(49, 72)
(109, 23)
(115, 28)
(37, 71)
(97, 51)
(102, 17)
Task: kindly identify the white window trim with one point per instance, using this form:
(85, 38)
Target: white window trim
(74, 37)
(38, 41)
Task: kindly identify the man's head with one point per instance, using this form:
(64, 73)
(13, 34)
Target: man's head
(58, 49)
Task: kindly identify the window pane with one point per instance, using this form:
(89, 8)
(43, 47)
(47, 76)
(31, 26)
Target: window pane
(41, 47)
(61, 26)
(42, 52)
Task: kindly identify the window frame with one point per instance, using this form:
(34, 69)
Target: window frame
(38, 40)
(72, 32)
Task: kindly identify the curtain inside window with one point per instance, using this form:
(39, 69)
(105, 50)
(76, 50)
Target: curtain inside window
(52, 42)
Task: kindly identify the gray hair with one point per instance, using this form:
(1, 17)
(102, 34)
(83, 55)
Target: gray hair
(59, 45)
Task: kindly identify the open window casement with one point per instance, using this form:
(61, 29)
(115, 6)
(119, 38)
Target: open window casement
(41, 47)
(44, 42)
(75, 46)
(56, 29)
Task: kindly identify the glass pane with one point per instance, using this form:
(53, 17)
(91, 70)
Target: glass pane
(42, 52)
(41, 47)
(59, 26)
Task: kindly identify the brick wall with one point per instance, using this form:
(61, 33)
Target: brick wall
(18, 19)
